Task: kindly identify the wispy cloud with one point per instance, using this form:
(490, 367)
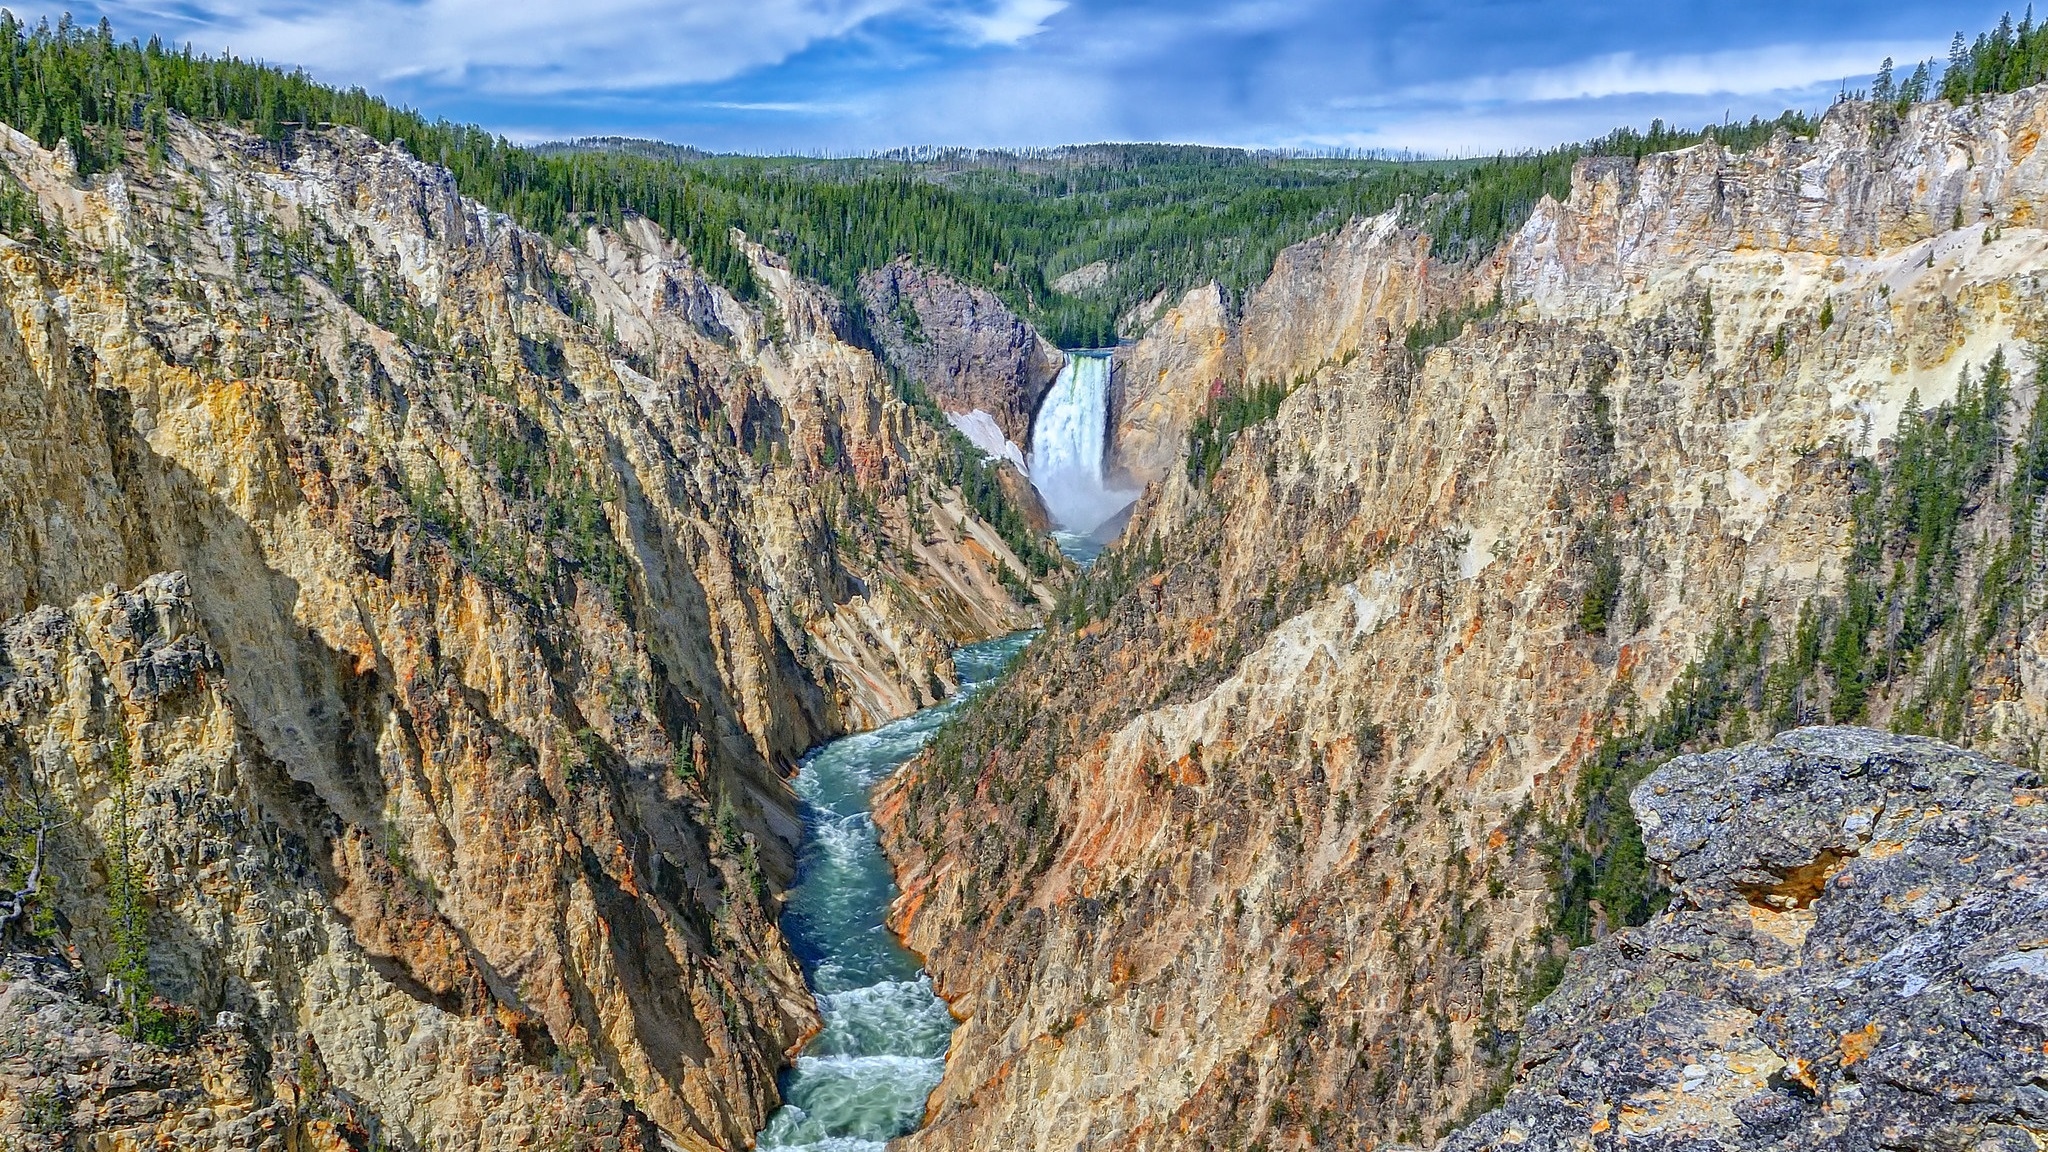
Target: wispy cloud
(785, 107)
(542, 47)
(1772, 68)
(1451, 75)
(1009, 21)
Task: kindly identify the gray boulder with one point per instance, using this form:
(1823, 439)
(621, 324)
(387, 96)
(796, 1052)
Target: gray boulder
(1856, 958)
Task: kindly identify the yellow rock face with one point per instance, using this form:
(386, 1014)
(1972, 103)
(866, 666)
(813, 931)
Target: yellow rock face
(498, 584)
(1364, 633)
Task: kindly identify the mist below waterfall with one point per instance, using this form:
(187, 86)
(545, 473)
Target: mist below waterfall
(1068, 443)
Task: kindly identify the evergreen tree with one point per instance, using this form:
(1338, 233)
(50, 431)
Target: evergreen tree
(1915, 88)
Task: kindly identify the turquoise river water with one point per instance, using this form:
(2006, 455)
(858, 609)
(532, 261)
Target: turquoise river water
(865, 1077)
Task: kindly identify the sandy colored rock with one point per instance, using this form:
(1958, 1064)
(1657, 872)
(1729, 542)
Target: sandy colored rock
(479, 593)
(1252, 851)
(1329, 299)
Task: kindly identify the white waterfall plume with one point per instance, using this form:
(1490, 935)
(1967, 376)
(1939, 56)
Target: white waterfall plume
(1068, 442)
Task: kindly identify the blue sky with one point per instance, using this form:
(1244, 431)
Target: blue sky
(853, 75)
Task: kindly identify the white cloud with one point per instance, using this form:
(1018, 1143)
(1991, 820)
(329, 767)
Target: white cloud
(787, 107)
(1585, 98)
(1009, 21)
(541, 47)
(1775, 68)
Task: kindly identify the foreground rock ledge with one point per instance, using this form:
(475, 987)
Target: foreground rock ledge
(1857, 958)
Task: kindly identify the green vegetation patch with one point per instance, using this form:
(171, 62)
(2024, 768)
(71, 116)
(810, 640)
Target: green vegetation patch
(1215, 430)
(979, 480)
(1901, 622)
(2005, 59)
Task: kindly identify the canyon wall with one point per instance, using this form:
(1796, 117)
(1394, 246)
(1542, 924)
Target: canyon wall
(1327, 299)
(1256, 846)
(963, 344)
(1162, 381)
(412, 618)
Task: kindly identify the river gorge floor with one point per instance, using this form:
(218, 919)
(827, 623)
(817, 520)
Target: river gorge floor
(864, 1078)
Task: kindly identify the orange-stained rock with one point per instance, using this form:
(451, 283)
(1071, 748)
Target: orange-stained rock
(465, 589)
(1375, 608)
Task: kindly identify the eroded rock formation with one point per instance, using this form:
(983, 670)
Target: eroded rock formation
(1327, 300)
(482, 587)
(968, 349)
(1255, 847)
(300, 980)
(1854, 961)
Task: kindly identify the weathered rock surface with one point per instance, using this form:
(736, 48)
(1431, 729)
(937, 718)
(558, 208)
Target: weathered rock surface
(313, 992)
(1328, 299)
(482, 589)
(1259, 858)
(968, 348)
(1855, 960)
(1162, 381)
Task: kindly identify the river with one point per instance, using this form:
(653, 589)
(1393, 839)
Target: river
(864, 1078)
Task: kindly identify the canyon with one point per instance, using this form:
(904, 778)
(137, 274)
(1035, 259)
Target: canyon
(445, 666)
(1260, 844)
(405, 662)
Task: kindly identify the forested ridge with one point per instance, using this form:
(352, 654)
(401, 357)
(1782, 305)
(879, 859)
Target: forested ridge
(1151, 218)
(1138, 220)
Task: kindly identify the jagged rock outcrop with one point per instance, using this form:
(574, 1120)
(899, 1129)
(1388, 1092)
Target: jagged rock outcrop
(1854, 961)
(1163, 380)
(1255, 847)
(508, 578)
(1328, 299)
(969, 349)
(299, 981)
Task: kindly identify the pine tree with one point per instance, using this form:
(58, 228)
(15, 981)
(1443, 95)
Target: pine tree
(1954, 81)
(1915, 88)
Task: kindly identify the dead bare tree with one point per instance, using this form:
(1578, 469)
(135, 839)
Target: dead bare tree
(14, 905)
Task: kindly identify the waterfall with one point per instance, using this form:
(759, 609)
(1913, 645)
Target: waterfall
(1068, 443)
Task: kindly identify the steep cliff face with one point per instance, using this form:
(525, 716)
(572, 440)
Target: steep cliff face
(1162, 381)
(294, 976)
(972, 352)
(502, 578)
(1360, 287)
(1854, 961)
(1256, 846)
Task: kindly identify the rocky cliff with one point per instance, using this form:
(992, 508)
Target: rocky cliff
(1854, 960)
(427, 777)
(1162, 381)
(971, 351)
(1360, 287)
(1268, 841)
(278, 975)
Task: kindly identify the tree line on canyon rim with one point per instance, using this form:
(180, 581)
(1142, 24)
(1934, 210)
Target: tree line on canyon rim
(1153, 219)
(1160, 219)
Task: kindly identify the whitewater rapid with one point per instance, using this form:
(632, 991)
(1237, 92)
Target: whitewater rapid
(1069, 441)
(864, 1078)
